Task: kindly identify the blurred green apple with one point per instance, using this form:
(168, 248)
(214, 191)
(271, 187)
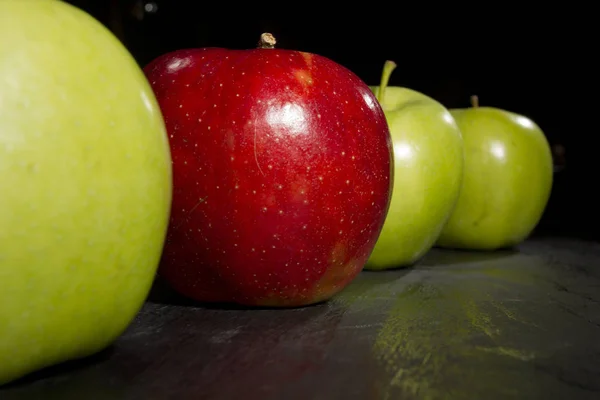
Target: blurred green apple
(507, 182)
(85, 178)
(428, 165)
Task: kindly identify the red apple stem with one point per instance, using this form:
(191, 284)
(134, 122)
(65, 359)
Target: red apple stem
(267, 41)
(474, 101)
(388, 68)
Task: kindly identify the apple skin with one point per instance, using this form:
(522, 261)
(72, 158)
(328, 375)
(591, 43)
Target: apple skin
(507, 180)
(85, 177)
(428, 153)
(282, 166)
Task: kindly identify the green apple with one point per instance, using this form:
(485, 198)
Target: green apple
(428, 168)
(85, 183)
(507, 181)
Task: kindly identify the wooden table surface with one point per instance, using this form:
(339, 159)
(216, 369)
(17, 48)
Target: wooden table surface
(513, 324)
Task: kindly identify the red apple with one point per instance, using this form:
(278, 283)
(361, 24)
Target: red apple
(282, 174)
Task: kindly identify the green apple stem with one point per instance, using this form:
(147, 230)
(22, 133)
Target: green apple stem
(267, 41)
(388, 68)
(474, 101)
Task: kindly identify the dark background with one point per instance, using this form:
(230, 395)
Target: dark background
(533, 60)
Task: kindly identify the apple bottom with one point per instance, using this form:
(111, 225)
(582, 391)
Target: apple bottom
(250, 285)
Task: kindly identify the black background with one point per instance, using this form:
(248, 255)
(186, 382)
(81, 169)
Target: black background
(533, 60)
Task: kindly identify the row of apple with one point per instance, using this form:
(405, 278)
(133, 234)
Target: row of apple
(262, 177)
(291, 175)
(472, 179)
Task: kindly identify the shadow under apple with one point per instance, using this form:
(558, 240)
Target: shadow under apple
(441, 257)
(65, 381)
(162, 293)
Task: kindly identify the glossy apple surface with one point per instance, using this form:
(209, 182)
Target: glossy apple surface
(85, 183)
(507, 182)
(282, 174)
(428, 153)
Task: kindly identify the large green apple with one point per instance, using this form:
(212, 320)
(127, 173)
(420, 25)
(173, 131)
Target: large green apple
(428, 168)
(85, 186)
(507, 181)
